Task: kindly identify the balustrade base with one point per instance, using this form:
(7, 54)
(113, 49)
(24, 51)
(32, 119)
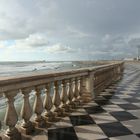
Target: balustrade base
(27, 128)
(72, 105)
(76, 102)
(50, 116)
(86, 97)
(80, 100)
(40, 123)
(12, 135)
(67, 108)
(60, 112)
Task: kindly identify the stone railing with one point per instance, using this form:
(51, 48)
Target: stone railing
(62, 91)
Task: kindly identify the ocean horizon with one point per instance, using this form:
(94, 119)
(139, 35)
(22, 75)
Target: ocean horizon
(13, 68)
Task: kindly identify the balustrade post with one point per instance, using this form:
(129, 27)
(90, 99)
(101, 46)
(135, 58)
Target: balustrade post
(76, 91)
(38, 107)
(26, 112)
(120, 73)
(70, 94)
(113, 74)
(88, 88)
(64, 96)
(0, 120)
(11, 117)
(0, 125)
(117, 72)
(79, 89)
(48, 104)
(57, 101)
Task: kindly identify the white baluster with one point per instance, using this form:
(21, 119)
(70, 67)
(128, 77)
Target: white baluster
(48, 104)
(56, 100)
(70, 94)
(38, 107)
(76, 95)
(64, 96)
(0, 129)
(80, 88)
(11, 117)
(26, 112)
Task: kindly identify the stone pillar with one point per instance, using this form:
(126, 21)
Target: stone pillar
(11, 117)
(80, 88)
(70, 93)
(76, 91)
(0, 125)
(57, 101)
(64, 96)
(88, 87)
(118, 72)
(26, 113)
(38, 107)
(48, 104)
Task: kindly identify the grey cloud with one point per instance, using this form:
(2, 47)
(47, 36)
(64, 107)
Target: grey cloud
(102, 27)
(134, 42)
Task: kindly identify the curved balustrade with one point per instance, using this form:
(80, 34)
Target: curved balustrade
(62, 91)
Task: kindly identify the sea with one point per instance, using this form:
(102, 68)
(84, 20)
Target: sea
(28, 67)
(18, 68)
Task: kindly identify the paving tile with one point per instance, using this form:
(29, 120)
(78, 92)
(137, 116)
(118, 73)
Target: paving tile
(104, 139)
(123, 115)
(67, 133)
(103, 118)
(64, 122)
(114, 129)
(90, 132)
(123, 96)
(135, 113)
(118, 101)
(80, 111)
(133, 125)
(94, 109)
(103, 102)
(132, 100)
(129, 106)
(81, 120)
(138, 135)
(111, 108)
(136, 104)
(127, 137)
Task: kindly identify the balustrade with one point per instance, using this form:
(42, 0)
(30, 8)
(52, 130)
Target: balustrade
(70, 89)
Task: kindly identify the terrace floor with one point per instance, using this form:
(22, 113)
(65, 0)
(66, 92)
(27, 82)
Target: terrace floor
(112, 116)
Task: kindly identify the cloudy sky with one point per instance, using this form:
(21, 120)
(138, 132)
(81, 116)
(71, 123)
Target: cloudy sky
(69, 29)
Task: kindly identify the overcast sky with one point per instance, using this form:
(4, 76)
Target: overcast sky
(69, 29)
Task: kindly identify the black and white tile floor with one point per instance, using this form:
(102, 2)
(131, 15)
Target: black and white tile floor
(112, 116)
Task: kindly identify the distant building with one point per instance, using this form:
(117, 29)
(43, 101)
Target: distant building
(138, 57)
(129, 59)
